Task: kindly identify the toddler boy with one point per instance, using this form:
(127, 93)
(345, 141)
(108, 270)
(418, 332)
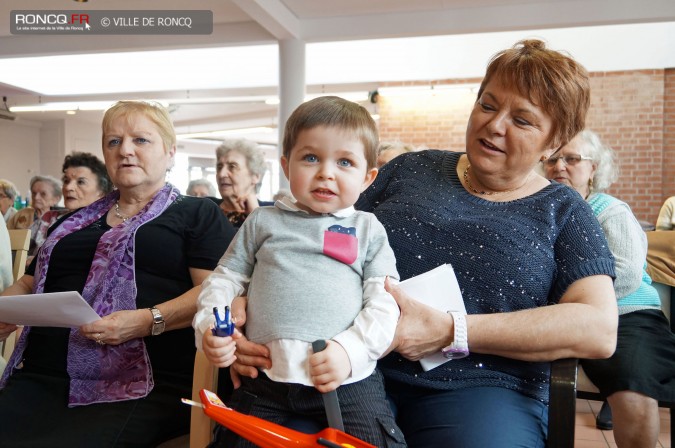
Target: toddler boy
(313, 268)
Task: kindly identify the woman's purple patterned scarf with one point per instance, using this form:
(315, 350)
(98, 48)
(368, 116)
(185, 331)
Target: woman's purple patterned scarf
(104, 373)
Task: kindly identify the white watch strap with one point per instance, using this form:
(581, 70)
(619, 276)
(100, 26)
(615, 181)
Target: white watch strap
(460, 345)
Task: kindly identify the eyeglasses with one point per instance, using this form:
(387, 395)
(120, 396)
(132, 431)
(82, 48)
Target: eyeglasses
(3, 196)
(567, 160)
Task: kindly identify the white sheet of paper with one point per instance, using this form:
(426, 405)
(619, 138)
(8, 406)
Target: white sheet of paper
(54, 309)
(439, 289)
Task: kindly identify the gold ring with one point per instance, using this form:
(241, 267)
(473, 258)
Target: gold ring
(98, 339)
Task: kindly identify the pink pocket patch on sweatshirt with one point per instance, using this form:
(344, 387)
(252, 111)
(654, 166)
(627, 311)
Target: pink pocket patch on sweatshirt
(341, 243)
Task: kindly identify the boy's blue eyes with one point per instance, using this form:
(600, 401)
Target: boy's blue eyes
(314, 159)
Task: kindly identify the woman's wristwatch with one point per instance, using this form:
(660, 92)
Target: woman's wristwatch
(157, 322)
(460, 345)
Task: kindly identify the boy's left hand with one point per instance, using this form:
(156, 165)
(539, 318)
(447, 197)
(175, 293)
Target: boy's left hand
(330, 367)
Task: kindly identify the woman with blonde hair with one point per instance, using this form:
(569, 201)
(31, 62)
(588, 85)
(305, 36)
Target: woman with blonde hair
(138, 256)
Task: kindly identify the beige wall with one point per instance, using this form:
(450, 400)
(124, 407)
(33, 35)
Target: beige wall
(19, 152)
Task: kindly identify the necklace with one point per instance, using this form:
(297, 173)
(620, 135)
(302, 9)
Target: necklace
(487, 193)
(119, 214)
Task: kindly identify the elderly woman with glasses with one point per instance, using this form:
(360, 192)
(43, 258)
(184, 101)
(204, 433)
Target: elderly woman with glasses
(642, 370)
(8, 193)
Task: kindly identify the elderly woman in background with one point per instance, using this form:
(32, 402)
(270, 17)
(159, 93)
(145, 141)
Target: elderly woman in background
(642, 370)
(8, 194)
(138, 257)
(200, 188)
(45, 193)
(390, 150)
(534, 291)
(85, 180)
(240, 167)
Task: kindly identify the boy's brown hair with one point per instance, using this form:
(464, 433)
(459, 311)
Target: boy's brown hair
(333, 111)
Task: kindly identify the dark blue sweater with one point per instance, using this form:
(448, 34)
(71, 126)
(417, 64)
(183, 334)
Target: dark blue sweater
(507, 256)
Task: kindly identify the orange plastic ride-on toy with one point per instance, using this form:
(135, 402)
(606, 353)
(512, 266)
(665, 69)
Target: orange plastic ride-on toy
(270, 435)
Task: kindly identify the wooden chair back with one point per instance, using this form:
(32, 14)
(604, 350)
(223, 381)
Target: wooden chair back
(205, 377)
(20, 242)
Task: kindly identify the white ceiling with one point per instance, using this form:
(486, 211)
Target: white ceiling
(352, 45)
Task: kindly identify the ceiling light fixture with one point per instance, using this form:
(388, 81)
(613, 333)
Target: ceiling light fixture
(5, 113)
(66, 106)
(63, 107)
(427, 89)
(168, 102)
(227, 132)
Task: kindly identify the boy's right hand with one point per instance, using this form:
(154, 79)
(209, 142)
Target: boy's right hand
(220, 350)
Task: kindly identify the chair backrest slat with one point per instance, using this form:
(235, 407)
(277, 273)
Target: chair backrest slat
(20, 243)
(19, 240)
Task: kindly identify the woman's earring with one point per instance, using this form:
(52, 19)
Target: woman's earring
(590, 182)
(543, 158)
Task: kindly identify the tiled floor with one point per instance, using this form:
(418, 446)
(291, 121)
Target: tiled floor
(587, 436)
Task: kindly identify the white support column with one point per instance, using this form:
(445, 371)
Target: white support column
(291, 85)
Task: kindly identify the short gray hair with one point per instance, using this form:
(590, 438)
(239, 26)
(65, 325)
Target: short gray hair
(396, 145)
(604, 159)
(197, 182)
(52, 181)
(8, 188)
(255, 158)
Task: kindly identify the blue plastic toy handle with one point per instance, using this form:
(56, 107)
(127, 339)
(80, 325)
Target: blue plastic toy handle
(224, 327)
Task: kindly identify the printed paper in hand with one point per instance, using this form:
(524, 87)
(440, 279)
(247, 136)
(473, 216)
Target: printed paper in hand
(439, 289)
(55, 309)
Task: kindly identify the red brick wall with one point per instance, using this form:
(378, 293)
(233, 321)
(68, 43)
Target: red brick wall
(632, 111)
(627, 112)
(427, 119)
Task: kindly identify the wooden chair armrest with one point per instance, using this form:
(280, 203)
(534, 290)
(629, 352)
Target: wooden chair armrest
(205, 377)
